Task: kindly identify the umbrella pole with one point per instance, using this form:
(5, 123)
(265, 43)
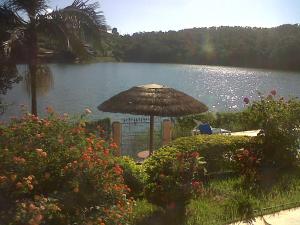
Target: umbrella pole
(151, 135)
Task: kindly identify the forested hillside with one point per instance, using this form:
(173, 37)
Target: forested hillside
(277, 47)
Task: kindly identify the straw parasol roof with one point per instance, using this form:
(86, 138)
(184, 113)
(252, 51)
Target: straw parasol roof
(154, 100)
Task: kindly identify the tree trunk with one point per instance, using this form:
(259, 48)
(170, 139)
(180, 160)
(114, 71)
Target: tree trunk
(32, 71)
(33, 51)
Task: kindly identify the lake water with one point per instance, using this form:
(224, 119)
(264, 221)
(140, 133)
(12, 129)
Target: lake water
(72, 88)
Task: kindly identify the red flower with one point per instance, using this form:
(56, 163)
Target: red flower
(195, 154)
(246, 152)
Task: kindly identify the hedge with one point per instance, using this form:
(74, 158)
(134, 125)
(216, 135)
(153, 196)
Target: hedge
(216, 150)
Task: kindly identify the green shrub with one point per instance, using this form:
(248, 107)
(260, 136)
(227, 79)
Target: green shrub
(233, 121)
(53, 172)
(247, 163)
(100, 127)
(173, 177)
(184, 125)
(134, 176)
(279, 120)
(217, 150)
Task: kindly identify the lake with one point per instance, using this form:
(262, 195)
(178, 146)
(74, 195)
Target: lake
(72, 88)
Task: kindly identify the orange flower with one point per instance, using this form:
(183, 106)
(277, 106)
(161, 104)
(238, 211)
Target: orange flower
(47, 175)
(38, 217)
(39, 150)
(44, 154)
(32, 207)
(19, 185)
(106, 152)
(49, 109)
(118, 170)
(3, 178)
(19, 160)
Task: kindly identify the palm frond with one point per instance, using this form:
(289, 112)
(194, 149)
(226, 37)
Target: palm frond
(12, 29)
(31, 7)
(89, 10)
(8, 19)
(44, 80)
(16, 38)
(75, 25)
(8, 76)
(56, 27)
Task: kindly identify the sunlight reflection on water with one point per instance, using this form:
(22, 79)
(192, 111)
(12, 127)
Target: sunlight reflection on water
(221, 88)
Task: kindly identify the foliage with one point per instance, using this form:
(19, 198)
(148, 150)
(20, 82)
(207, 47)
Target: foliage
(278, 141)
(184, 125)
(145, 213)
(233, 121)
(8, 76)
(276, 47)
(63, 28)
(279, 120)
(173, 180)
(217, 150)
(19, 35)
(103, 127)
(248, 165)
(134, 175)
(223, 203)
(53, 172)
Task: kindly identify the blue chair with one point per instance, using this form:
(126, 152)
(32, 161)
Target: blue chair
(205, 128)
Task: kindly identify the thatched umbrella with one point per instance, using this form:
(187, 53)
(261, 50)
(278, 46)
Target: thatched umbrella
(153, 100)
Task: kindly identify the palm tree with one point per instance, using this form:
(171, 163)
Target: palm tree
(23, 21)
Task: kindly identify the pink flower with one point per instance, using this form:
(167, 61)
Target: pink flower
(273, 92)
(87, 111)
(246, 100)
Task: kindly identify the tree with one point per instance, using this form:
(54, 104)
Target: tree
(8, 76)
(21, 23)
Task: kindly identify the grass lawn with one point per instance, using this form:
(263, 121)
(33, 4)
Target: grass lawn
(223, 199)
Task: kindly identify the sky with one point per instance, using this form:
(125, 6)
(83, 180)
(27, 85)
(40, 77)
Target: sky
(130, 16)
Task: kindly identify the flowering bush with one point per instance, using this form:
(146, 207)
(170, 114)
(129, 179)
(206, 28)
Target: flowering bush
(279, 121)
(248, 163)
(173, 177)
(53, 172)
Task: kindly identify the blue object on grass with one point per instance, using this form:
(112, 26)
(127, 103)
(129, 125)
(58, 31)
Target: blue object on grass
(205, 128)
